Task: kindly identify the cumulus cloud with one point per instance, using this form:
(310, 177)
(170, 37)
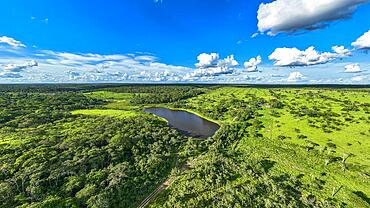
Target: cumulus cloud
(296, 15)
(208, 72)
(104, 66)
(341, 51)
(252, 64)
(160, 76)
(210, 65)
(54, 66)
(213, 60)
(207, 60)
(85, 76)
(363, 42)
(228, 62)
(11, 42)
(20, 67)
(352, 68)
(295, 77)
(85, 67)
(294, 57)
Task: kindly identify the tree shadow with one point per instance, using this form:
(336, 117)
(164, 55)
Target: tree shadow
(363, 196)
(267, 165)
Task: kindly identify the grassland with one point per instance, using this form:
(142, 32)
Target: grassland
(118, 105)
(329, 150)
(107, 112)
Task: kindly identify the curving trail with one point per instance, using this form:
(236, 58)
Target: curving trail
(154, 194)
(162, 187)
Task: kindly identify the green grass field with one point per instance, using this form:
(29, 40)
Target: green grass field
(300, 145)
(118, 105)
(106, 112)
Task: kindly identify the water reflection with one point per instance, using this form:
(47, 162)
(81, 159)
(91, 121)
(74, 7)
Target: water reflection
(186, 122)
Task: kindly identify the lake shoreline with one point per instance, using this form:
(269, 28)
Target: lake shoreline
(186, 110)
(188, 123)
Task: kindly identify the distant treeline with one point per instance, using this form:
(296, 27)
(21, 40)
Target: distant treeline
(150, 88)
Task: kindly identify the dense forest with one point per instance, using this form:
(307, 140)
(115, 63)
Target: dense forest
(50, 158)
(277, 147)
(159, 94)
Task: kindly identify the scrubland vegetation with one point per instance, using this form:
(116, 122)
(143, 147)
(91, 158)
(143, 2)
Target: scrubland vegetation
(93, 146)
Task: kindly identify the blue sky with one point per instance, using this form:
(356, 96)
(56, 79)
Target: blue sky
(162, 41)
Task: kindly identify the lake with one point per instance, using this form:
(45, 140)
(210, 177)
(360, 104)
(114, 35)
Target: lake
(187, 123)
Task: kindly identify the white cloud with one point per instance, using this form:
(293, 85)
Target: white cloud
(59, 67)
(166, 67)
(20, 67)
(294, 57)
(105, 65)
(159, 76)
(42, 20)
(210, 65)
(254, 35)
(11, 42)
(10, 75)
(72, 59)
(358, 78)
(341, 51)
(228, 62)
(208, 72)
(73, 75)
(352, 68)
(96, 77)
(104, 68)
(252, 64)
(207, 60)
(363, 42)
(146, 58)
(296, 15)
(213, 60)
(295, 77)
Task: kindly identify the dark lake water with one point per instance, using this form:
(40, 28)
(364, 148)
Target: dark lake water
(188, 123)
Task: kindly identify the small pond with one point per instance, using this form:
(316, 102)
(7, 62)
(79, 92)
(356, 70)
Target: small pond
(187, 123)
